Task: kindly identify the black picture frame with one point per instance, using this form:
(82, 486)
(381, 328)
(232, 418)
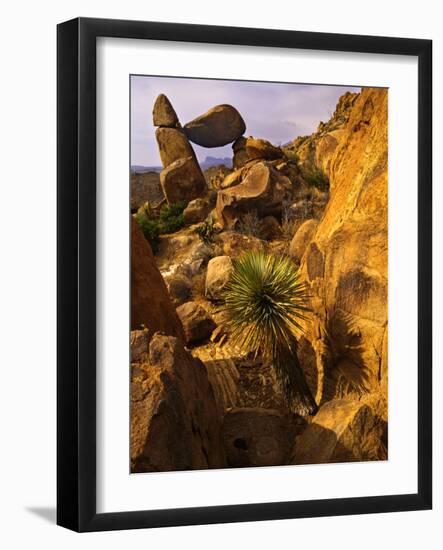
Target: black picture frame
(76, 279)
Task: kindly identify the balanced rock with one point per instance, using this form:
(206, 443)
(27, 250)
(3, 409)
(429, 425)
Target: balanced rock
(263, 190)
(163, 113)
(183, 180)
(302, 238)
(173, 145)
(249, 149)
(197, 323)
(342, 431)
(151, 306)
(220, 125)
(170, 397)
(217, 276)
(196, 211)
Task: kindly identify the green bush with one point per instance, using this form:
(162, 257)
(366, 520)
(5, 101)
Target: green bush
(206, 231)
(171, 217)
(265, 302)
(153, 224)
(317, 178)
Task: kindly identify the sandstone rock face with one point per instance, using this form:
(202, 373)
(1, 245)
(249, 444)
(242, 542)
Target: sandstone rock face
(163, 113)
(145, 187)
(342, 431)
(257, 437)
(302, 238)
(173, 145)
(151, 306)
(315, 152)
(263, 190)
(196, 211)
(249, 149)
(217, 276)
(346, 262)
(197, 323)
(182, 180)
(220, 125)
(175, 423)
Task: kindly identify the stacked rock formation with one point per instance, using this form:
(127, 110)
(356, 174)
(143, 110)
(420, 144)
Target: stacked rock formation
(181, 178)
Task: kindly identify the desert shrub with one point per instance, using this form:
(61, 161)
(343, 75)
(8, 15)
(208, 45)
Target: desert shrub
(154, 223)
(288, 222)
(291, 155)
(206, 231)
(265, 302)
(149, 227)
(250, 224)
(317, 178)
(171, 217)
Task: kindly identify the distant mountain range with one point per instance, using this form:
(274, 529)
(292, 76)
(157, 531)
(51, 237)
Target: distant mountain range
(209, 162)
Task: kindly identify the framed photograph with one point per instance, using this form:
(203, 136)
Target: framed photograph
(244, 274)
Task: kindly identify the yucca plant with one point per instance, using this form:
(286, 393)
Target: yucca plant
(265, 301)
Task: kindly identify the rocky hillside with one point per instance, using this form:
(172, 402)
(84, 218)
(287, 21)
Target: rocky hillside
(199, 399)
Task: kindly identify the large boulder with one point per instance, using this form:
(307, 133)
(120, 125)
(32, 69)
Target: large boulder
(346, 262)
(251, 148)
(183, 181)
(173, 145)
(151, 306)
(220, 125)
(342, 431)
(197, 323)
(263, 189)
(175, 423)
(163, 113)
(257, 437)
(145, 187)
(217, 276)
(197, 211)
(302, 238)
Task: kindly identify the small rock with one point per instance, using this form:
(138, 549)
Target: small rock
(248, 149)
(217, 275)
(180, 288)
(197, 323)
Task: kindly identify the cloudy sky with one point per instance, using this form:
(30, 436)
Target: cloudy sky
(274, 111)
